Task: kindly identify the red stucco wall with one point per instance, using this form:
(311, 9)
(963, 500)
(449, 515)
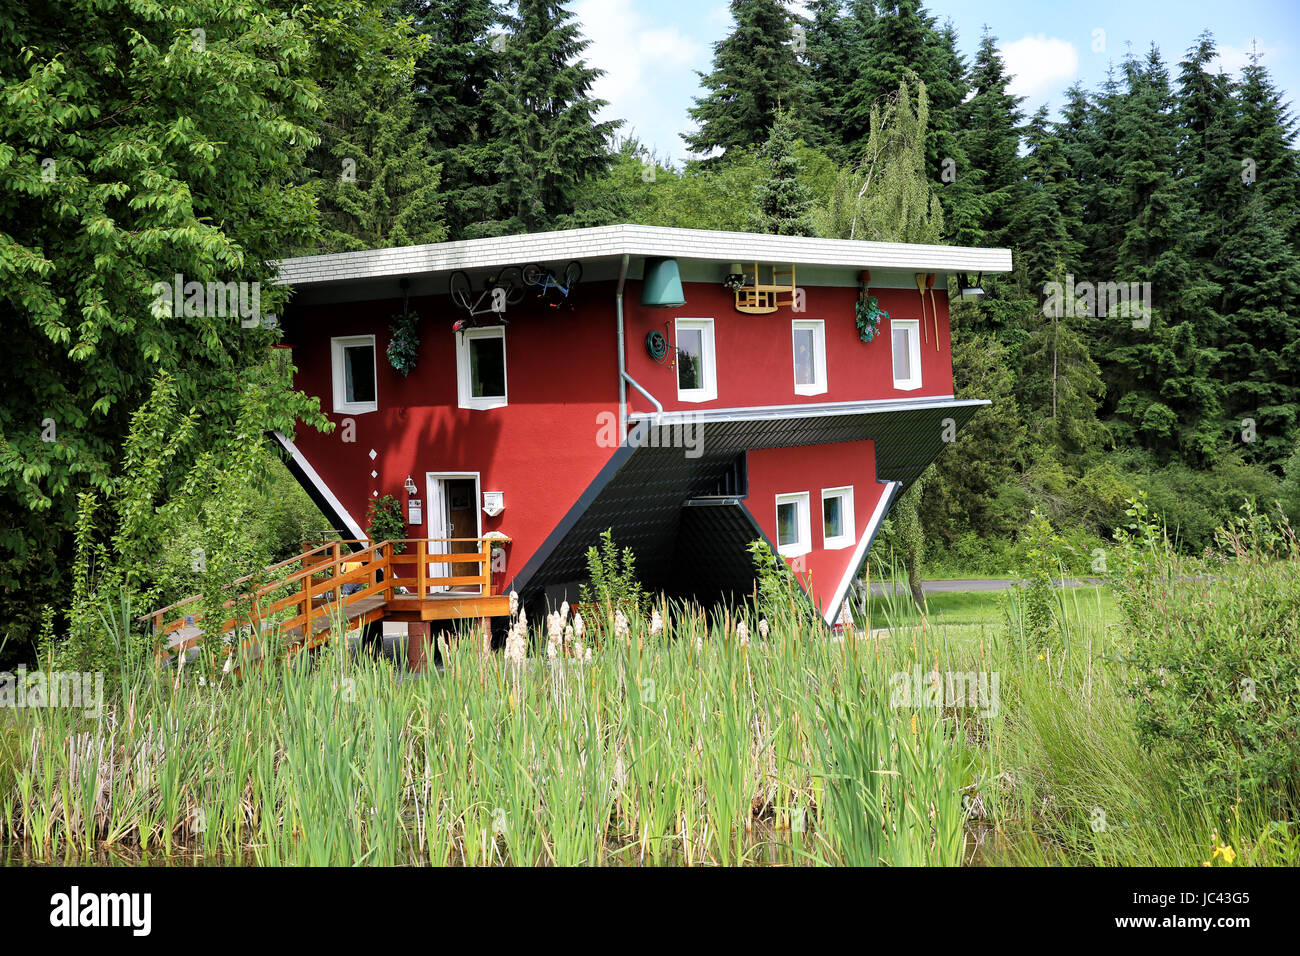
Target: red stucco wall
(546, 446)
(541, 450)
(754, 352)
(810, 468)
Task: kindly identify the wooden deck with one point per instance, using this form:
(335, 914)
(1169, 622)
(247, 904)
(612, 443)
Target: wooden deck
(301, 603)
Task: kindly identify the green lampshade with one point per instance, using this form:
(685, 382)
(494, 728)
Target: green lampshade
(662, 286)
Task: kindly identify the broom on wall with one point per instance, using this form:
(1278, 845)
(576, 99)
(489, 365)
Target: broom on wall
(925, 283)
(920, 290)
(929, 285)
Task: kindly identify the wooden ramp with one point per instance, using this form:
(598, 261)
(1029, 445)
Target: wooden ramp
(303, 602)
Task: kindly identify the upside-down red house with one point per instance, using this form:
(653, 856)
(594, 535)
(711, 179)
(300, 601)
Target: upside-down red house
(691, 390)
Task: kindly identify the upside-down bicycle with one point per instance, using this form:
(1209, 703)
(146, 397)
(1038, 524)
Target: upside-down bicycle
(544, 280)
(501, 290)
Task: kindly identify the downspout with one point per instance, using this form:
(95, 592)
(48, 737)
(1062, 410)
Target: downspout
(624, 380)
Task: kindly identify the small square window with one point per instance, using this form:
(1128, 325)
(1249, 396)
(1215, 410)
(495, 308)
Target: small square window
(696, 366)
(481, 367)
(809, 356)
(838, 529)
(905, 340)
(793, 537)
(353, 361)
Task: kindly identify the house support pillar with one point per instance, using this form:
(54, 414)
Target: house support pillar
(417, 646)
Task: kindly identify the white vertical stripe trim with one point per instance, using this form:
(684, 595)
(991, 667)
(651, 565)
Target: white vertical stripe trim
(860, 552)
(321, 487)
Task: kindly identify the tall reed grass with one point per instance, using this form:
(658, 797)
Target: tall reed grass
(703, 744)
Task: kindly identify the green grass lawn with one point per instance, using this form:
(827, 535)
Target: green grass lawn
(966, 608)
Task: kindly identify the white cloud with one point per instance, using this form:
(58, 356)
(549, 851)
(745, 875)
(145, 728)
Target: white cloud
(636, 52)
(719, 15)
(1040, 65)
(1230, 58)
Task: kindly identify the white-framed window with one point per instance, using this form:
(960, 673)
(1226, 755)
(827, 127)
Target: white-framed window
(793, 528)
(905, 341)
(353, 362)
(481, 367)
(809, 356)
(838, 529)
(697, 371)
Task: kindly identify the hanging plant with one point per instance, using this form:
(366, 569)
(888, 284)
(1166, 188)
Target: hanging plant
(404, 346)
(869, 315)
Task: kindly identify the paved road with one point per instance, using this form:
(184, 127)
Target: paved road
(879, 588)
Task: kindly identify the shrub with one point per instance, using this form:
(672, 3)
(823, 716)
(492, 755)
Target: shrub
(1213, 656)
(613, 580)
(1195, 503)
(779, 595)
(1290, 489)
(384, 521)
(1031, 611)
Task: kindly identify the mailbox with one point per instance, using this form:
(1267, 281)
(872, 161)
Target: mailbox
(414, 513)
(494, 502)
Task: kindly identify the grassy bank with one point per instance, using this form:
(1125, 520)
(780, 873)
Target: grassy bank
(695, 747)
(1148, 722)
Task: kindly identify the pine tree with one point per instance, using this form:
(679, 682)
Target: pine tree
(1059, 383)
(1260, 353)
(900, 40)
(990, 137)
(784, 204)
(756, 72)
(544, 134)
(1262, 139)
(452, 72)
(378, 187)
(1209, 171)
(1087, 135)
(1159, 374)
(832, 35)
(1257, 265)
(1044, 223)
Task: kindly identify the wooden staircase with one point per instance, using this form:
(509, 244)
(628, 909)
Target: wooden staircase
(300, 603)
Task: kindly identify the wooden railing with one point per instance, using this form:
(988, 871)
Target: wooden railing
(316, 596)
(424, 585)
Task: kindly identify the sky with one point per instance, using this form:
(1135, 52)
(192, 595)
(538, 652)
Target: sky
(651, 49)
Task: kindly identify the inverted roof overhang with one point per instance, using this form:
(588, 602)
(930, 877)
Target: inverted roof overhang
(641, 491)
(640, 241)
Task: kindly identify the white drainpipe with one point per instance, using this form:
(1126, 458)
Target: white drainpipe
(624, 380)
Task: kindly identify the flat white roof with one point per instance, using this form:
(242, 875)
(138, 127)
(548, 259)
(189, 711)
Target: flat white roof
(614, 241)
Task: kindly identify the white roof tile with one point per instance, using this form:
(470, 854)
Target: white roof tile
(638, 241)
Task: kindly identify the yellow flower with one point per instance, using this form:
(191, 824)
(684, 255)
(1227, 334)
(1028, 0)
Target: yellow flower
(1040, 657)
(1227, 852)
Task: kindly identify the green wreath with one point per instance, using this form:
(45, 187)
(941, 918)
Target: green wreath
(404, 346)
(869, 314)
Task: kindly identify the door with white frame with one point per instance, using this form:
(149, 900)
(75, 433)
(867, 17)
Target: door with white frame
(453, 499)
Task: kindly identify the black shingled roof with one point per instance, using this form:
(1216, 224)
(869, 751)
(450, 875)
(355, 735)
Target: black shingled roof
(689, 537)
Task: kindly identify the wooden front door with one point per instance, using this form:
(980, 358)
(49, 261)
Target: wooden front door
(453, 513)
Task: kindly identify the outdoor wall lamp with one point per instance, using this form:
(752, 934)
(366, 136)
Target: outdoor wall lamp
(970, 291)
(661, 288)
(410, 486)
